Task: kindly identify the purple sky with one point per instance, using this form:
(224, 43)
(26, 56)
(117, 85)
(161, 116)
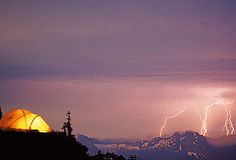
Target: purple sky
(119, 66)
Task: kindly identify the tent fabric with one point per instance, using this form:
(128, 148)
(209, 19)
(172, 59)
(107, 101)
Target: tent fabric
(22, 119)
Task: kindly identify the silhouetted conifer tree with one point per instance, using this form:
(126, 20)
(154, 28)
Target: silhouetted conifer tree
(0, 112)
(69, 127)
(132, 157)
(64, 127)
(107, 156)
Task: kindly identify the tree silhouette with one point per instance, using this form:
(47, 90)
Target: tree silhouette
(64, 128)
(0, 112)
(107, 156)
(132, 157)
(69, 127)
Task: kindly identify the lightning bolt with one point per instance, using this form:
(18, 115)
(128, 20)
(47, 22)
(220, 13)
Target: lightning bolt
(225, 127)
(228, 126)
(169, 117)
(231, 123)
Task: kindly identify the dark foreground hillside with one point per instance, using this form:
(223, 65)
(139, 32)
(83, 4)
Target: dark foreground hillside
(34, 145)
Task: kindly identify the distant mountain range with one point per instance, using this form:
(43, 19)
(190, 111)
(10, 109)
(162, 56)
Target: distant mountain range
(179, 146)
(222, 141)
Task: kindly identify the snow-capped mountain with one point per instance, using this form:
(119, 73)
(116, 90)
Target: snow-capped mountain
(188, 144)
(179, 146)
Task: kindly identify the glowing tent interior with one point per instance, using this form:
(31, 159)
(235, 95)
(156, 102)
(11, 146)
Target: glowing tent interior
(23, 120)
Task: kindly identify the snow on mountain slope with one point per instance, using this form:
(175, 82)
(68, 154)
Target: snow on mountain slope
(179, 146)
(189, 144)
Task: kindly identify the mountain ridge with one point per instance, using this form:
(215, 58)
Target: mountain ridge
(181, 145)
(222, 141)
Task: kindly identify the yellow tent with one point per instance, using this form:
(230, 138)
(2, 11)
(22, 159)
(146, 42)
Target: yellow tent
(22, 119)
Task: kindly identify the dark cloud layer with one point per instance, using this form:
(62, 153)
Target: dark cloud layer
(121, 34)
(220, 70)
